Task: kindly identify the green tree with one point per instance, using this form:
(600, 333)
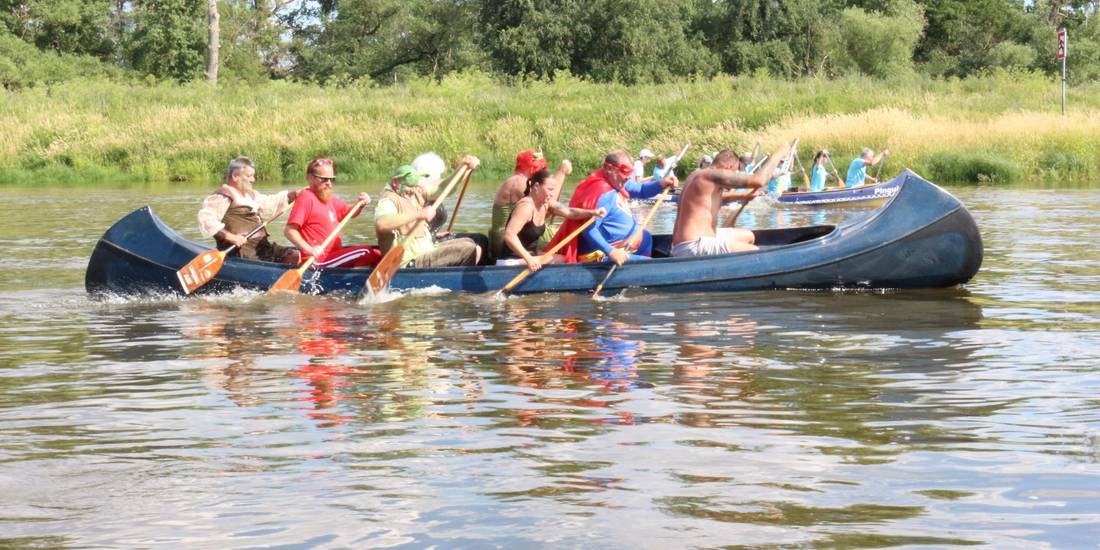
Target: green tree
(607, 40)
(379, 38)
(65, 26)
(168, 39)
(879, 44)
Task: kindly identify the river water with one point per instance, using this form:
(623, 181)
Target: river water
(801, 419)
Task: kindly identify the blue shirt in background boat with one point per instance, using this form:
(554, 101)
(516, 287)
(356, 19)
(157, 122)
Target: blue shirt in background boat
(857, 173)
(781, 182)
(817, 181)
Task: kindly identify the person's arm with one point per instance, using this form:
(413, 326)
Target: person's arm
(390, 219)
(565, 169)
(295, 237)
(571, 213)
(638, 190)
(594, 235)
(210, 216)
(523, 213)
(878, 158)
(269, 205)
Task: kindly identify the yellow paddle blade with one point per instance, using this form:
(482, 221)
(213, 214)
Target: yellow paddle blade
(290, 281)
(380, 278)
(200, 270)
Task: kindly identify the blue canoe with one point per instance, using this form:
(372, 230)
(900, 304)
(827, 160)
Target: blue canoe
(922, 238)
(863, 196)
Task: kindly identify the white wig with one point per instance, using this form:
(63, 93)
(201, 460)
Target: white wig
(432, 165)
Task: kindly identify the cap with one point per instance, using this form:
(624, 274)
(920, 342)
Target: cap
(530, 161)
(408, 176)
(321, 168)
(645, 153)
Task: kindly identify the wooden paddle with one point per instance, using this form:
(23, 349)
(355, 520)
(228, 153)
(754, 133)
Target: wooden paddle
(839, 181)
(805, 176)
(546, 257)
(878, 169)
(465, 183)
(755, 151)
(205, 266)
(380, 277)
(291, 280)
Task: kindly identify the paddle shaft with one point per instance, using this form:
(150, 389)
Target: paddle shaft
(805, 176)
(547, 256)
(839, 181)
(252, 233)
(465, 183)
(878, 169)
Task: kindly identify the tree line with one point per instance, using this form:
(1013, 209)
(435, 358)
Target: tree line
(630, 42)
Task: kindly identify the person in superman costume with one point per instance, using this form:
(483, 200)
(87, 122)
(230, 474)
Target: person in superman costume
(617, 236)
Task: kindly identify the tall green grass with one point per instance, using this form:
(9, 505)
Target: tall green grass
(999, 128)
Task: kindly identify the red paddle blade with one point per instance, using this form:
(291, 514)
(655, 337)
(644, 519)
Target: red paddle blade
(290, 281)
(380, 278)
(200, 270)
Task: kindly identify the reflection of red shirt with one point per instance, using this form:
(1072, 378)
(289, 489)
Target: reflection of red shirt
(316, 220)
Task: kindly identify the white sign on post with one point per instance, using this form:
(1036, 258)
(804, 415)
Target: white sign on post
(1061, 45)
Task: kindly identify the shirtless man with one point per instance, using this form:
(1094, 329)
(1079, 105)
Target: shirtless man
(696, 232)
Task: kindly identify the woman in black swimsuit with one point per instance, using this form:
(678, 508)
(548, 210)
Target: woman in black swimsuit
(528, 219)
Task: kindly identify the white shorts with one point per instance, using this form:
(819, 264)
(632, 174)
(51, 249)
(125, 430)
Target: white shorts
(705, 246)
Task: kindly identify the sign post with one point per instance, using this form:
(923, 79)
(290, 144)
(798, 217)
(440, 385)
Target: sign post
(1062, 43)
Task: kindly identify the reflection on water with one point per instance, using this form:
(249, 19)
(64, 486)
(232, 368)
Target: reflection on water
(852, 419)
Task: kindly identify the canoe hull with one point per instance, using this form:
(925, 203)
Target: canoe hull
(864, 196)
(923, 238)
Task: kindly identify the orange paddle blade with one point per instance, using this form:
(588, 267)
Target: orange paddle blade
(288, 283)
(200, 270)
(379, 279)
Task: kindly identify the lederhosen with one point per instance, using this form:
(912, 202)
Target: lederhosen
(241, 219)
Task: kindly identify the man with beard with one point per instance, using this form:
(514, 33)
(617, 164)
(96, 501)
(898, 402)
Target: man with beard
(399, 211)
(315, 216)
(236, 208)
(696, 232)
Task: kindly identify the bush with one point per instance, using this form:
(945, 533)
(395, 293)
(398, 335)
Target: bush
(972, 168)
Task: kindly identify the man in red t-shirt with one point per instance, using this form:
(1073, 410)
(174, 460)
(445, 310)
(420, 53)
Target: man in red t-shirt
(316, 214)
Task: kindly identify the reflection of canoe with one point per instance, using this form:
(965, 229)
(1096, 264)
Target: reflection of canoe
(867, 195)
(923, 238)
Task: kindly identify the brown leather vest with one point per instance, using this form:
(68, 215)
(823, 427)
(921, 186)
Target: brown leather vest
(240, 219)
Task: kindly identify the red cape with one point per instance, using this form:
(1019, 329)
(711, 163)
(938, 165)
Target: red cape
(586, 195)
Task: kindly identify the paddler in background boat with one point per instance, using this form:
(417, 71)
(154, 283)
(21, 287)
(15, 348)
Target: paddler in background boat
(527, 163)
(781, 180)
(528, 221)
(819, 174)
(616, 236)
(857, 171)
(398, 212)
(236, 209)
(315, 215)
(644, 156)
(696, 231)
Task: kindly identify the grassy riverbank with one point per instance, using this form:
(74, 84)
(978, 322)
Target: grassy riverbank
(1000, 128)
